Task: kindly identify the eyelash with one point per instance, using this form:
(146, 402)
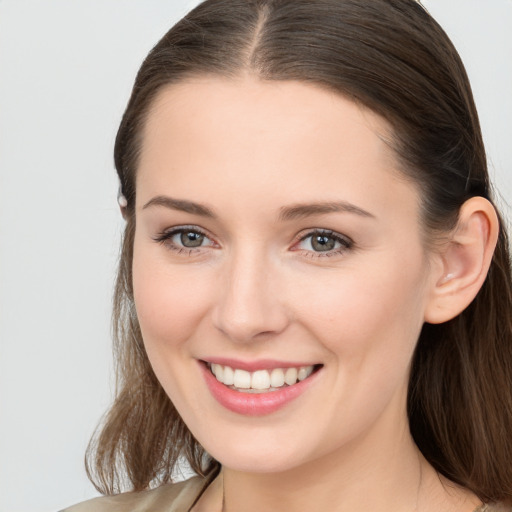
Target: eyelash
(165, 238)
(345, 243)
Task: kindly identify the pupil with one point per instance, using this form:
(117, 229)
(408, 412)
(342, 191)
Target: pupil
(323, 243)
(191, 239)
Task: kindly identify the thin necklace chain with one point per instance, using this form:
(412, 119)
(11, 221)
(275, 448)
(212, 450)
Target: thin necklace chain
(419, 484)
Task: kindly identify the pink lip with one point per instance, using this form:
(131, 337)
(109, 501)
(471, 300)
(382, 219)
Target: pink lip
(253, 366)
(254, 404)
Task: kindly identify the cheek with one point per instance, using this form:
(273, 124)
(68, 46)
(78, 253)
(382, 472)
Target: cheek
(170, 301)
(365, 311)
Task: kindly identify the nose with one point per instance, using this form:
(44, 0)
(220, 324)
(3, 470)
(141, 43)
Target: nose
(250, 304)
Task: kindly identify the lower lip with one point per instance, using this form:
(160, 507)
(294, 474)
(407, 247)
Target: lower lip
(254, 404)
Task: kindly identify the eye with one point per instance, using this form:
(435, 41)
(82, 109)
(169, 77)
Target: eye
(324, 242)
(184, 237)
(189, 238)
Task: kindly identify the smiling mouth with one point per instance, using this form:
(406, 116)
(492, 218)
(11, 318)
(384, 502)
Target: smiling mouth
(260, 381)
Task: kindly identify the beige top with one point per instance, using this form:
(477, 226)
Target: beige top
(179, 497)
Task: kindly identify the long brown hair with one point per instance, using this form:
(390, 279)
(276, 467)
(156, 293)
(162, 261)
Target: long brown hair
(392, 57)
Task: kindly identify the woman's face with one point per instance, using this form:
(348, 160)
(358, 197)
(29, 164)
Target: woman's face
(275, 239)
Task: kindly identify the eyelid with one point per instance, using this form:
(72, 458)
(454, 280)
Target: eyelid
(346, 241)
(165, 236)
(321, 231)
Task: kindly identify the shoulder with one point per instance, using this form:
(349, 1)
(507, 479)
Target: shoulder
(177, 497)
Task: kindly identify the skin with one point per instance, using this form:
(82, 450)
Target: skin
(257, 289)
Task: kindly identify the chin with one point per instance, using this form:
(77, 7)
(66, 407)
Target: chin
(259, 464)
(258, 457)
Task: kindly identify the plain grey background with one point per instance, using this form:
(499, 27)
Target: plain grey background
(66, 70)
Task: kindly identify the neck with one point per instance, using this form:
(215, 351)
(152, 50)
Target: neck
(363, 476)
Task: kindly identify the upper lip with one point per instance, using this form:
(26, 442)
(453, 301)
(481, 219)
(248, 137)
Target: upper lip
(259, 364)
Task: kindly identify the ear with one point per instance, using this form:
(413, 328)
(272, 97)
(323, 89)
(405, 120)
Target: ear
(463, 262)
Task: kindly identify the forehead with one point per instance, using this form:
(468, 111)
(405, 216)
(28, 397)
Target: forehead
(216, 104)
(253, 137)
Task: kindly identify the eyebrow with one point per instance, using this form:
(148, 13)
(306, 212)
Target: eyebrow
(300, 211)
(293, 212)
(181, 205)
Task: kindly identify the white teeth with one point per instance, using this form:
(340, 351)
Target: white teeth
(229, 376)
(304, 372)
(242, 379)
(277, 378)
(218, 371)
(290, 377)
(260, 380)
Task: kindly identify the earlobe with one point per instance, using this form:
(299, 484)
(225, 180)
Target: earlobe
(464, 261)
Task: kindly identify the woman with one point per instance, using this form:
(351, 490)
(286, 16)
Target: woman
(314, 295)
